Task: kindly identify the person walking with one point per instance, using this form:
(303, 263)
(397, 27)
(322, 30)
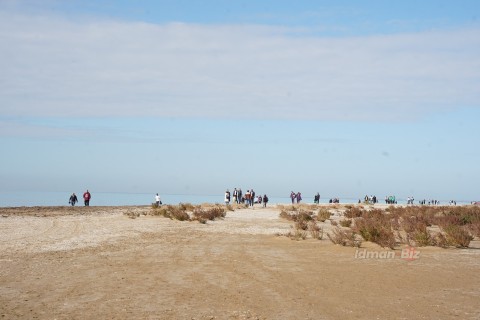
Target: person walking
(86, 198)
(247, 197)
(265, 200)
(235, 195)
(157, 200)
(292, 196)
(227, 197)
(299, 197)
(73, 199)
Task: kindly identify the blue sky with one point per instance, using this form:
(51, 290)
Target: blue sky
(346, 98)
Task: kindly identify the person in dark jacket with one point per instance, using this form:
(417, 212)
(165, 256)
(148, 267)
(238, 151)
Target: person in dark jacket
(265, 200)
(73, 199)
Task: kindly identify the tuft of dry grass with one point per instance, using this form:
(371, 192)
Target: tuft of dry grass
(202, 215)
(186, 206)
(346, 223)
(457, 236)
(374, 226)
(286, 215)
(422, 238)
(131, 214)
(475, 229)
(344, 237)
(354, 212)
(297, 235)
(323, 214)
(172, 212)
(316, 232)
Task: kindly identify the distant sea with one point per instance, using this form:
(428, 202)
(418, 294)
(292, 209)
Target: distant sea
(30, 199)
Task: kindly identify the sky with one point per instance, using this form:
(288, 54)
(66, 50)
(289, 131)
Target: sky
(344, 98)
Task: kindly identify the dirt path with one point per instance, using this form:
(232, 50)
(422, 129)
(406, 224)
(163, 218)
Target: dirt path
(57, 263)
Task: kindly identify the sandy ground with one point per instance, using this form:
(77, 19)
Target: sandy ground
(96, 263)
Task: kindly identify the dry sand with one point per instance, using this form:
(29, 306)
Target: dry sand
(96, 263)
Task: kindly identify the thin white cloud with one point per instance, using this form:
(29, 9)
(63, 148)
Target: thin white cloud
(55, 67)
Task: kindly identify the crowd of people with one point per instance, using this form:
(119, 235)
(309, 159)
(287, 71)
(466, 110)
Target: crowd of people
(390, 200)
(435, 202)
(249, 198)
(370, 199)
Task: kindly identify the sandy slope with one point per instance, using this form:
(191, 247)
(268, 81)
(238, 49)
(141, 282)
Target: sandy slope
(85, 263)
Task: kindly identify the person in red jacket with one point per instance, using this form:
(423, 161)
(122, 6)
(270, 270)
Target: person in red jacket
(86, 198)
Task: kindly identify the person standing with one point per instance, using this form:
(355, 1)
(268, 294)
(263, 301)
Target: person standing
(73, 199)
(265, 200)
(86, 198)
(157, 200)
(299, 197)
(316, 199)
(292, 196)
(227, 197)
(252, 197)
(235, 195)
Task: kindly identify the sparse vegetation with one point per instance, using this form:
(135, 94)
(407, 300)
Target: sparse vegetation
(323, 214)
(353, 212)
(132, 214)
(412, 225)
(344, 237)
(457, 236)
(316, 232)
(202, 215)
(189, 212)
(347, 223)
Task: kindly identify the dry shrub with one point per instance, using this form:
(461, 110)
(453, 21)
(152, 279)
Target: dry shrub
(323, 214)
(177, 213)
(346, 223)
(286, 215)
(202, 215)
(414, 222)
(186, 206)
(172, 212)
(475, 229)
(131, 214)
(422, 238)
(441, 241)
(301, 225)
(298, 235)
(160, 211)
(374, 226)
(354, 212)
(301, 217)
(304, 215)
(316, 232)
(344, 237)
(457, 236)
